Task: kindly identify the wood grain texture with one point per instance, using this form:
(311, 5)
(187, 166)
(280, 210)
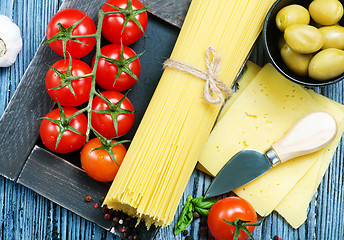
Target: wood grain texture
(26, 215)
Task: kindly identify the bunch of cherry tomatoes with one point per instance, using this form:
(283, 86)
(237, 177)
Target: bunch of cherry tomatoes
(71, 82)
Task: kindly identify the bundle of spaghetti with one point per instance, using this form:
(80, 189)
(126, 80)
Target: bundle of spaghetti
(177, 122)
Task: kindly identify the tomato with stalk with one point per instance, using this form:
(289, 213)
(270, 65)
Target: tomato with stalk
(62, 85)
(62, 29)
(98, 162)
(126, 26)
(112, 114)
(232, 218)
(62, 133)
(119, 70)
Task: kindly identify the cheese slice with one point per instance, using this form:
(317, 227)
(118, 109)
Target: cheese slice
(293, 208)
(260, 115)
(251, 71)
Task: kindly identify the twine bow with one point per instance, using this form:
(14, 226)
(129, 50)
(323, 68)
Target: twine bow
(213, 85)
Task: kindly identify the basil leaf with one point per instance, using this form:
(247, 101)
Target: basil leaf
(186, 216)
(203, 206)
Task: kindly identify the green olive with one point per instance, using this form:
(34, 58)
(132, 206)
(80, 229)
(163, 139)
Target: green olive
(292, 14)
(326, 12)
(326, 64)
(303, 38)
(296, 62)
(334, 36)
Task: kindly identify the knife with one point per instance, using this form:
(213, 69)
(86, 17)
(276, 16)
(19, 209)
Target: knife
(311, 133)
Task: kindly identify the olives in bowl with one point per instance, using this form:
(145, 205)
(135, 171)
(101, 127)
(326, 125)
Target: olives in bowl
(296, 35)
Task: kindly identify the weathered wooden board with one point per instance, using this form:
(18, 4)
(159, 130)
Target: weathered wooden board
(26, 215)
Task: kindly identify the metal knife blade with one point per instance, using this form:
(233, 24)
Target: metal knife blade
(231, 176)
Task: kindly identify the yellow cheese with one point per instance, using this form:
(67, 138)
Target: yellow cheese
(251, 71)
(177, 122)
(260, 115)
(294, 206)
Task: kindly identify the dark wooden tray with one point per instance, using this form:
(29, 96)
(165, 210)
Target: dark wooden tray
(59, 177)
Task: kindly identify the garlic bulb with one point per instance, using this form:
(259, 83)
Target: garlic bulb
(10, 41)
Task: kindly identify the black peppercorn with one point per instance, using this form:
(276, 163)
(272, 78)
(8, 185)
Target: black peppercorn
(185, 232)
(188, 238)
(196, 215)
(203, 222)
(275, 237)
(202, 231)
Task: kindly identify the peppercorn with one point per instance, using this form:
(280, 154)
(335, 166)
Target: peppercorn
(125, 234)
(136, 237)
(95, 205)
(107, 216)
(202, 231)
(188, 238)
(196, 215)
(203, 222)
(127, 218)
(185, 232)
(130, 237)
(120, 221)
(275, 237)
(121, 229)
(88, 198)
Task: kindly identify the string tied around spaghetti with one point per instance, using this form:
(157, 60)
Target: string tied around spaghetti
(213, 85)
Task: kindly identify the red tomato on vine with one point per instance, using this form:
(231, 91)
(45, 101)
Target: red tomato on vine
(98, 164)
(121, 71)
(127, 26)
(62, 135)
(113, 117)
(66, 23)
(68, 92)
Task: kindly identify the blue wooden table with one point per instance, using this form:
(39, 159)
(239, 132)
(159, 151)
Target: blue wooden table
(26, 215)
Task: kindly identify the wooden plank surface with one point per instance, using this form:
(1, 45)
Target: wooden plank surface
(26, 215)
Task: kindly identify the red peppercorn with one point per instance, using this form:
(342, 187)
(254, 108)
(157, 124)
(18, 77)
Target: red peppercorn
(95, 205)
(121, 229)
(107, 216)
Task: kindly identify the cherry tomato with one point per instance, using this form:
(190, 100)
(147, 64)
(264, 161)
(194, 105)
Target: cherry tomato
(67, 18)
(70, 141)
(103, 123)
(81, 87)
(229, 209)
(113, 23)
(98, 164)
(107, 72)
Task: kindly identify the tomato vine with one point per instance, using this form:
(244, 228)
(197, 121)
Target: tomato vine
(65, 35)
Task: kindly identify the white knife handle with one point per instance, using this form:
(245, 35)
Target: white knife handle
(309, 134)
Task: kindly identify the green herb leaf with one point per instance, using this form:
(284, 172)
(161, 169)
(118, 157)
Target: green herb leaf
(186, 216)
(203, 206)
(199, 205)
